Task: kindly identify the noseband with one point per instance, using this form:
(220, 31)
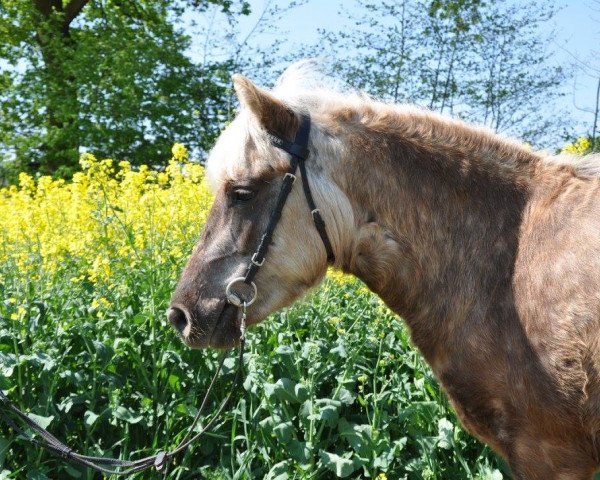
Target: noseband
(298, 149)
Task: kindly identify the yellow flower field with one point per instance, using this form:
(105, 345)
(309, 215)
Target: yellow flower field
(108, 217)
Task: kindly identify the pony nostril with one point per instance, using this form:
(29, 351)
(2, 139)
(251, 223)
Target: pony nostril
(178, 318)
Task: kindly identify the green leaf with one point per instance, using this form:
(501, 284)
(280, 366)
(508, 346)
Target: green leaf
(445, 433)
(284, 350)
(123, 413)
(73, 472)
(496, 475)
(346, 396)
(279, 471)
(342, 467)
(284, 432)
(339, 351)
(174, 382)
(8, 362)
(299, 451)
(306, 409)
(4, 445)
(41, 421)
(90, 418)
(68, 402)
(357, 436)
(301, 392)
(285, 390)
(35, 474)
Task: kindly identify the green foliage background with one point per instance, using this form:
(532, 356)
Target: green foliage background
(126, 79)
(333, 389)
(115, 79)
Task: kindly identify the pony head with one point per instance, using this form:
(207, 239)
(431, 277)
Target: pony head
(246, 172)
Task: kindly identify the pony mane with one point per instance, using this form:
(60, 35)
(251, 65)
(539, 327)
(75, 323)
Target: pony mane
(587, 165)
(307, 85)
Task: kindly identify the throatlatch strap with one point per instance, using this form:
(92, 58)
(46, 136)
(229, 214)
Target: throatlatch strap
(316, 214)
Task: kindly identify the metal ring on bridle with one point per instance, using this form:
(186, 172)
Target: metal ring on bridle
(234, 298)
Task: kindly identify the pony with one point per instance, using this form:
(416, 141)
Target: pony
(487, 250)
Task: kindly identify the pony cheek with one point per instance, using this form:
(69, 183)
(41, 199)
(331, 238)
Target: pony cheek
(272, 300)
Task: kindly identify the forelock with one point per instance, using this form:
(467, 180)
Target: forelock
(304, 87)
(242, 146)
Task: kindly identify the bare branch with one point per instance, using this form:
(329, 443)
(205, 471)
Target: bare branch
(595, 124)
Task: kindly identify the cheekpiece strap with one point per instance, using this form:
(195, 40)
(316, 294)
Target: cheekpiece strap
(299, 150)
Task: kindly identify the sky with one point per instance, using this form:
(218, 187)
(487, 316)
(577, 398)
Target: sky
(575, 31)
(577, 26)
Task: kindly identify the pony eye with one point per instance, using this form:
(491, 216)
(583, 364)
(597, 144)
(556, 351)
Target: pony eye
(243, 195)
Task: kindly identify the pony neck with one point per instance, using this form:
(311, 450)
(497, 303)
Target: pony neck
(437, 208)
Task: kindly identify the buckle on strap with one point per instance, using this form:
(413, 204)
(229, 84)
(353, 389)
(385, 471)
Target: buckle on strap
(255, 262)
(290, 175)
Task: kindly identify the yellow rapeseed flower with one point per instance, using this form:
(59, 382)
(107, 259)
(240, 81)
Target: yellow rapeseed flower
(102, 222)
(580, 147)
(18, 314)
(179, 152)
(340, 277)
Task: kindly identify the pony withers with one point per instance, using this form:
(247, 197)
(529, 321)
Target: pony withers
(486, 249)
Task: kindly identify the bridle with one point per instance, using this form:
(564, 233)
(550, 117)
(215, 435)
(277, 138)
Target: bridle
(298, 149)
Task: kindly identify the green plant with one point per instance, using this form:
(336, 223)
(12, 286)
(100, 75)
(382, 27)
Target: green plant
(333, 386)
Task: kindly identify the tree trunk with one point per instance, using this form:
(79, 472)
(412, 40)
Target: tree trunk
(60, 149)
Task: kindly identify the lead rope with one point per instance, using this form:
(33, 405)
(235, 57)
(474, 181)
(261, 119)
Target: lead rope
(102, 464)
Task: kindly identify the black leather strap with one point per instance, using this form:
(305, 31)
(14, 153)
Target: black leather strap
(299, 151)
(316, 214)
(261, 252)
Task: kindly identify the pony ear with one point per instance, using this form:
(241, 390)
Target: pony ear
(272, 113)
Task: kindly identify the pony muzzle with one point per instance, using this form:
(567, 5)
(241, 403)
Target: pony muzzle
(179, 317)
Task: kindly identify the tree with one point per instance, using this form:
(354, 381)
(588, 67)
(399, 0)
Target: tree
(108, 76)
(512, 79)
(481, 60)
(591, 68)
(381, 53)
